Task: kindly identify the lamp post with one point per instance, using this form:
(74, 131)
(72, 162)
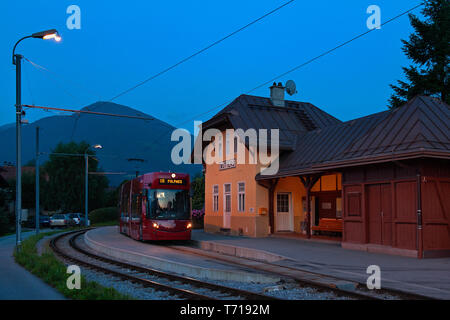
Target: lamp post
(17, 61)
(86, 188)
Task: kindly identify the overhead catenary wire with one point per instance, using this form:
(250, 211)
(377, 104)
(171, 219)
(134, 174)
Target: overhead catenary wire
(87, 112)
(296, 67)
(200, 51)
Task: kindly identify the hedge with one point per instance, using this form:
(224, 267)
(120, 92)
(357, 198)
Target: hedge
(103, 215)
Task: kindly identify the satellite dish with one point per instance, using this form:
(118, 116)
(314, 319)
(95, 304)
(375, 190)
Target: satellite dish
(291, 88)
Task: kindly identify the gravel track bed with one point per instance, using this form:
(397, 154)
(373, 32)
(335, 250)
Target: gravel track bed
(287, 290)
(129, 288)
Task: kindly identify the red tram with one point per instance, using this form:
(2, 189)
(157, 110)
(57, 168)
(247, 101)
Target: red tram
(156, 206)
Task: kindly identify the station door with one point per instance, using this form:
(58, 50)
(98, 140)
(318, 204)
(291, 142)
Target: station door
(379, 213)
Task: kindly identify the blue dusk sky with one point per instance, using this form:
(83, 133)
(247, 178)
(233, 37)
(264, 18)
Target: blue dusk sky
(121, 43)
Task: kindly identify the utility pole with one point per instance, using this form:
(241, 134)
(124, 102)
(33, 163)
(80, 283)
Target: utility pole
(17, 59)
(37, 181)
(86, 192)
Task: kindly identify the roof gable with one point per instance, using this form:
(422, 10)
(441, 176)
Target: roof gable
(253, 112)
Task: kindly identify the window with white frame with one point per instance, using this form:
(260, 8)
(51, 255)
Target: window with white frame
(227, 197)
(241, 196)
(215, 198)
(282, 202)
(227, 144)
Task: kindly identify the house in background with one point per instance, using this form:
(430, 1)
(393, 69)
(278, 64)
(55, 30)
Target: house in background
(382, 181)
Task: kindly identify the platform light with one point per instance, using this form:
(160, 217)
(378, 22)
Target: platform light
(47, 34)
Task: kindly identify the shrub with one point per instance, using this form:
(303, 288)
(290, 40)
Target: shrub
(198, 214)
(103, 215)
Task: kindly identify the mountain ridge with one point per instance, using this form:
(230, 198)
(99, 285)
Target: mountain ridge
(121, 138)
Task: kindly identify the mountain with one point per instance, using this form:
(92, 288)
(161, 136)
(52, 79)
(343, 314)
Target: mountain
(121, 138)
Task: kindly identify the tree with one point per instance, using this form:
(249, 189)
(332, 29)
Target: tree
(7, 219)
(428, 48)
(65, 187)
(198, 188)
(28, 189)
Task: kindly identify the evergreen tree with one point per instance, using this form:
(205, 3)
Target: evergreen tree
(428, 48)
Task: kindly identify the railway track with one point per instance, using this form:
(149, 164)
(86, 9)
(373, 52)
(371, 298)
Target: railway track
(164, 281)
(171, 282)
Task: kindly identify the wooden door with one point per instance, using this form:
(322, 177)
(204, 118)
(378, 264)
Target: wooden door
(374, 213)
(386, 214)
(284, 212)
(379, 214)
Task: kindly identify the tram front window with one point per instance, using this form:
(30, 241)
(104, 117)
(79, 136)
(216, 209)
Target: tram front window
(165, 204)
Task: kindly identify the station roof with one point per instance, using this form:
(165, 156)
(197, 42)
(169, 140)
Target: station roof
(292, 120)
(420, 128)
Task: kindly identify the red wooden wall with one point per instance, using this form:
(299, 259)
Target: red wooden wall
(380, 205)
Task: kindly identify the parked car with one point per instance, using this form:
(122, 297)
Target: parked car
(76, 218)
(59, 220)
(44, 221)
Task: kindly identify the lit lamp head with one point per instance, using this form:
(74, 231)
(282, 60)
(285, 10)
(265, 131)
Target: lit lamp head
(48, 34)
(97, 146)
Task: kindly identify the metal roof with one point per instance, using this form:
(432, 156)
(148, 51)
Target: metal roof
(253, 112)
(419, 128)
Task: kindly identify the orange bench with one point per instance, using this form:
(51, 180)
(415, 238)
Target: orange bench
(329, 225)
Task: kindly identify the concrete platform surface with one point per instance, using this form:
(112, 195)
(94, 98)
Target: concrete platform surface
(16, 283)
(108, 240)
(429, 277)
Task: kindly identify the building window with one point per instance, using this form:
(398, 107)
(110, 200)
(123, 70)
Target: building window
(339, 208)
(215, 198)
(227, 196)
(235, 144)
(227, 144)
(282, 202)
(241, 196)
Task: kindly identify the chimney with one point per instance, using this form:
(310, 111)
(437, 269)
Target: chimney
(277, 94)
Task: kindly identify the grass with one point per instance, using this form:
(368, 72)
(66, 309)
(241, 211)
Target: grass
(53, 272)
(106, 224)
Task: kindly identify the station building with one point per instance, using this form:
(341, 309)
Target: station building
(381, 182)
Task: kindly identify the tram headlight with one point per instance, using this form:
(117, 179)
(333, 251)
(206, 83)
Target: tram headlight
(189, 225)
(155, 225)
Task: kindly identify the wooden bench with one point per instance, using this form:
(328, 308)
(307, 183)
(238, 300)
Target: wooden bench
(329, 225)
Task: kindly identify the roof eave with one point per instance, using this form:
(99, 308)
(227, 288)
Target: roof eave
(330, 166)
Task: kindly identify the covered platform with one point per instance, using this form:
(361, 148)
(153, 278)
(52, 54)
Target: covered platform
(428, 277)
(303, 257)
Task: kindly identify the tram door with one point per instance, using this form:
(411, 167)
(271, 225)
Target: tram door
(136, 216)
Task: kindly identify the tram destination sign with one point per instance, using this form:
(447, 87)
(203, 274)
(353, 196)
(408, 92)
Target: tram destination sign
(172, 181)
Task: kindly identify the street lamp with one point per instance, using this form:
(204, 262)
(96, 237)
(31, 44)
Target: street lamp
(17, 61)
(86, 189)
